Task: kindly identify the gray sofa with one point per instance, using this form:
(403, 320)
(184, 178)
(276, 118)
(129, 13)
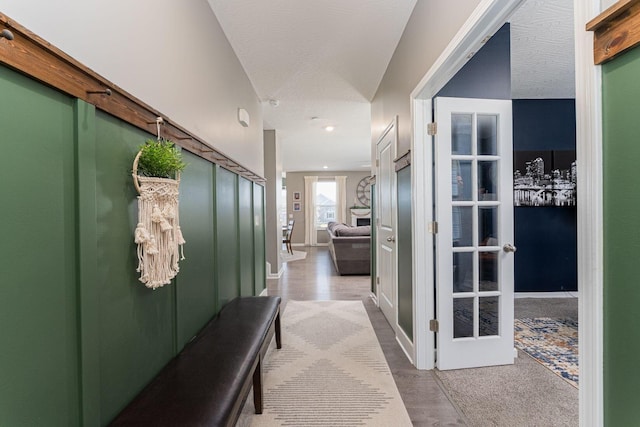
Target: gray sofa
(350, 248)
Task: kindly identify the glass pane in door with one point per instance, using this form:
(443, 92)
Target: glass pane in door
(487, 135)
(487, 180)
(488, 317)
(461, 183)
(463, 317)
(488, 271)
(488, 226)
(462, 225)
(461, 139)
(462, 272)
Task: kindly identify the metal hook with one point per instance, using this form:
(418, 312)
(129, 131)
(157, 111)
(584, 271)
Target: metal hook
(158, 120)
(6, 34)
(105, 92)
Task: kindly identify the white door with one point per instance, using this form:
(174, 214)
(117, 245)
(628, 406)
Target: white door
(474, 251)
(386, 224)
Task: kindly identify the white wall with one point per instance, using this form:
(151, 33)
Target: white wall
(431, 27)
(273, 200)
(170, 54)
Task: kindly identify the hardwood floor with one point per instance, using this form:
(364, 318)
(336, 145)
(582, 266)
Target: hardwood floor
(315, 278)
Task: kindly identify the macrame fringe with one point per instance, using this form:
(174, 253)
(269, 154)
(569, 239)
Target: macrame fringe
(158, 233)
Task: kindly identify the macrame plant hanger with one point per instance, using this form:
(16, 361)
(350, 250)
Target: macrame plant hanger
(158, 234)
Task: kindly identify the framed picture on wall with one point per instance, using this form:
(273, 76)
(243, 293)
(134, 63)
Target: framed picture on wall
(296, 195)
(544, 178)
(297, 207)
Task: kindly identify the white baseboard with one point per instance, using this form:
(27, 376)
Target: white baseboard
(405, 344)
(271, 275)
(374, 298)
(560, 294)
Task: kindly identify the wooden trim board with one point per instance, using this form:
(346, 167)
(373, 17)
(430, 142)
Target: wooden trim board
(616, 30)
(38, 59)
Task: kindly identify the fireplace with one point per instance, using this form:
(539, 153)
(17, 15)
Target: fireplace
(360, 216)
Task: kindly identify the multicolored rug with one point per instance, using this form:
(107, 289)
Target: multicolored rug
(551, 342)
(330, 372)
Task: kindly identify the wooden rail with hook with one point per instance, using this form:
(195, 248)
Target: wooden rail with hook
(24, 51)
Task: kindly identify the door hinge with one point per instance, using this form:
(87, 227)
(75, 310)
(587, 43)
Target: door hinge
(434, 326)
(377, 162)
(432, 227)
(432, 128)
(378, 280)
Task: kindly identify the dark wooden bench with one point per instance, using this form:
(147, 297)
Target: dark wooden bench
(207, 383)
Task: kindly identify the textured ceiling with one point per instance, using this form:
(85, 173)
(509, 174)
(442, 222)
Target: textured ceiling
(321, 59)
(325, 59)
(542, 50)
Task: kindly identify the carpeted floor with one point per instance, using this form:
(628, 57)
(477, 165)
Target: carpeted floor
(523, 394)
(330, 371)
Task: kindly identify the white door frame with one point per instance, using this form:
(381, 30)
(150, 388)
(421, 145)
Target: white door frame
(486, 19)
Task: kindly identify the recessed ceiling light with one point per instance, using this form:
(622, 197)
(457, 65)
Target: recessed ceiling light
(329, 128)
(325, 167)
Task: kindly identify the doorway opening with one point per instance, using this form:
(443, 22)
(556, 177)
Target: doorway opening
(492, 15)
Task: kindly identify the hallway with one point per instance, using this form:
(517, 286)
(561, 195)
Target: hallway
(315, 278)
(422, 392)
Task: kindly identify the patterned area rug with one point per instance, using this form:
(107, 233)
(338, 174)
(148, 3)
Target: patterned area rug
(551, 342)
(330, 372)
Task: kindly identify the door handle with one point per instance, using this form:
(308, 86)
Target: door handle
(508, 247)
(391, 239)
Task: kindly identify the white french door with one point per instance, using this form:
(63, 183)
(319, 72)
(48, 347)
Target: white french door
(474, 251)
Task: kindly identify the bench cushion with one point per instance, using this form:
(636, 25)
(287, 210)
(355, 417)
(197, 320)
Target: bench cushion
(203, 385)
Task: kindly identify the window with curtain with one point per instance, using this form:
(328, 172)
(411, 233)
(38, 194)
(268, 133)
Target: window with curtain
(325, 203)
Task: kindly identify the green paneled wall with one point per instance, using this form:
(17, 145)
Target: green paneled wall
(80, 334)
(405, 265)
(245, 235)
(621, 151)
(228, 265)
(195, 283)
(39, 382)
(259, 231)
(137, 325)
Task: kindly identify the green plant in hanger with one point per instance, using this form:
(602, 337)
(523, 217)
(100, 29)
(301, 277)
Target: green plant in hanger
(160, 158)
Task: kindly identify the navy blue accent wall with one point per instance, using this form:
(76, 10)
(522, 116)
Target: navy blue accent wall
(544, 124)
(487, 75)
(546, 237)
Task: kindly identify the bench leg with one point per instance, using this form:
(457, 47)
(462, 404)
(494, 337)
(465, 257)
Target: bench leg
(278, 337)
(257, 386)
